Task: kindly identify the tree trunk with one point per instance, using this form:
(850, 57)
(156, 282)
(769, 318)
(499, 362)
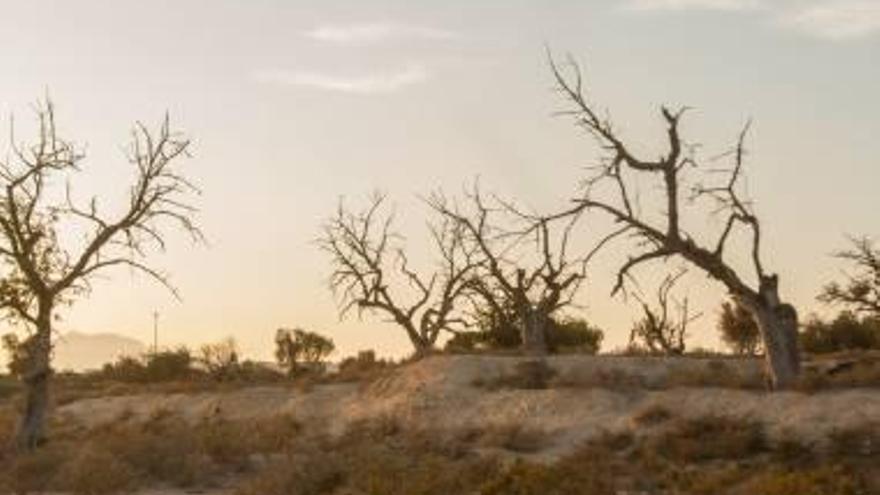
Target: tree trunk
(31, 431)
(422, 346)
(534, 333)
(778, 325)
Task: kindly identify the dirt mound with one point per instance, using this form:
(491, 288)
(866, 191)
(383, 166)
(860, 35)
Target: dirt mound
(585, 396)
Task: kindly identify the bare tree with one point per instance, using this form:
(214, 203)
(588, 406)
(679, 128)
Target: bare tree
(663, 330)
(220, 359)
(368, 260)
(533, 293)
(43, 272)
(861, 291)
(669, 238)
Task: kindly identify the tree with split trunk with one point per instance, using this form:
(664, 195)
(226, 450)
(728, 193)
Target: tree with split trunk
(43, 270)
(372, 273)
(612, 191)
(861, 291)
(503, 284)
(663, 329)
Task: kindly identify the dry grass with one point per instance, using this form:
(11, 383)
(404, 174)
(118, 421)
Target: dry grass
(527, 375)
(822, 480)
(162, 450)
(863, 372)
(514, 438)
(708, 438)
(858, 441)
(372, 458)
(652, 415)
(710, 455)
(715, 373)
(93, 471)
(538, 374)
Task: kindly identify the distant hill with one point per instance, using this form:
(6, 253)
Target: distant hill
(82, 351)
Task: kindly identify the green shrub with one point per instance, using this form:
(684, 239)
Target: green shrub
(17, 351)
(9, 386)
(169, 365)
(574, 334)
(364, 366)
(738, 329)
(163, 366)
(301, 351)
(220, 360)
(846, 332)
(562, 335)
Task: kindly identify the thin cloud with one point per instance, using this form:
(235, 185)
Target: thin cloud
(376, 83)
(724, 5)
(828, 19)
(356, 34)
(837, 20)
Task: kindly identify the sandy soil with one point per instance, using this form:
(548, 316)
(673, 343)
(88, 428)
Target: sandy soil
(440, 393)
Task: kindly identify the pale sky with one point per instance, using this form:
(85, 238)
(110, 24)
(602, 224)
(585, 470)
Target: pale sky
(292, 105)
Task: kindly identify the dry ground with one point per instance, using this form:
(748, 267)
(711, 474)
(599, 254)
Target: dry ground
(587, 395)
(518, 408)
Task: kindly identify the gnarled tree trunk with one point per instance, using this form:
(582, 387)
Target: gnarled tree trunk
(778, 324)
(533, 328)
(31, 431)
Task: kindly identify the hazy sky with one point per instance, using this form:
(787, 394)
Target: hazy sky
(292, 104)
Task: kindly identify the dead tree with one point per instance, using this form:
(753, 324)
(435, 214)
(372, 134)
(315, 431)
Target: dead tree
(43, 272)
(535, 293)
(663, 330)
(371, 271)
(861, 291)
(669, 238)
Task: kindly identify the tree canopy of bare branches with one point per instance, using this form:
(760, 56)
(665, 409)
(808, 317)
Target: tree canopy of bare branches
(41, 271)
(372, 272)
(669, 238)
(663, 330)
(861, 291)
(533, 292)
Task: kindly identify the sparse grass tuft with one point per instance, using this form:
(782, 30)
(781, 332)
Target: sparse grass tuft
(823, 480)
(33, 472)
(527, 375)
(715, 373)
(96, 472)
(652, 415)
(582, 473)
(515, 438)
(857, 441)
(709, 438)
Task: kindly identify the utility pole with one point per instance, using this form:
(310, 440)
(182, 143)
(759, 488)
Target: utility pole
(155, 332)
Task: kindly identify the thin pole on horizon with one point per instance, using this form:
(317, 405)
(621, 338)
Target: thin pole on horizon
(155, 332)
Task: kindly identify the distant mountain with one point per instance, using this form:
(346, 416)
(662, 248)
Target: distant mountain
(83, 351)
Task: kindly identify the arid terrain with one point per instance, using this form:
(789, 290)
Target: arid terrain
(629, 424)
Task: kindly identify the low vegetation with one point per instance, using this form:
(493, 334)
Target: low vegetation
(708, 455)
